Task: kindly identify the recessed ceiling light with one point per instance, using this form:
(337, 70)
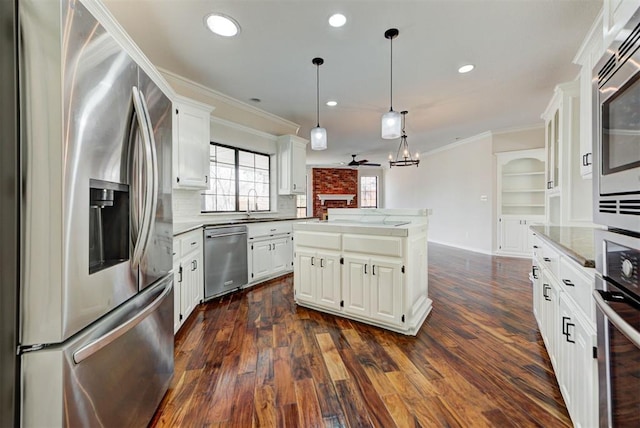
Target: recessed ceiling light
(222, 25)
(466, 68)
(337, 20)
(332, 103)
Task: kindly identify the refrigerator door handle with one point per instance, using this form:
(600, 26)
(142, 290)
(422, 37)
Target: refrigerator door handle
(104, 340)
(151, 169)
(142, 224)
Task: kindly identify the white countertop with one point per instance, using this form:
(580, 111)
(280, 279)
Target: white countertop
(384, 228)
(181, 227)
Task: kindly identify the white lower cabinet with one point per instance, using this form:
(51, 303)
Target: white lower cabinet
(269, 257)
(373, 287)
(515, 236)
(188, 276)
(563, 308)
(317, 278)
(365, 277)
(577, 364)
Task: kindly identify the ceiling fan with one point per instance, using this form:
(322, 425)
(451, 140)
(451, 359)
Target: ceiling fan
(355, 162)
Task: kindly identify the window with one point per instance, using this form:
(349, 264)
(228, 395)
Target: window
(301, 206)
(238, 177)
(369, 192)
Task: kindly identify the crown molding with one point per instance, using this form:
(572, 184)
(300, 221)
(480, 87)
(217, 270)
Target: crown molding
(219, 96)
(243, 128)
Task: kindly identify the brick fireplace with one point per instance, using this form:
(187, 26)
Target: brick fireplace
(334, 181)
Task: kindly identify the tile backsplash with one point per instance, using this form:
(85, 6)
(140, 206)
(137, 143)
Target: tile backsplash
(186, 205)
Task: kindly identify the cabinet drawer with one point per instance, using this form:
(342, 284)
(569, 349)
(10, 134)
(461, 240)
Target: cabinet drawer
(579, 285)
(380, 245)
(328, 241)
(551, 260)
(268, 229)
(190, 242)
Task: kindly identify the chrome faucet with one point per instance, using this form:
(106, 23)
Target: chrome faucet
(255, 201)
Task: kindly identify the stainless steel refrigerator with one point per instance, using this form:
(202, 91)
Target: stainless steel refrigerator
(94, 326)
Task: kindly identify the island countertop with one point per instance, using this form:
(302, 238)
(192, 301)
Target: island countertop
(380, 228)
(576, 242)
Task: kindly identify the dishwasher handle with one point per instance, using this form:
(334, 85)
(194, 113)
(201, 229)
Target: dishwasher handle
(216, 235)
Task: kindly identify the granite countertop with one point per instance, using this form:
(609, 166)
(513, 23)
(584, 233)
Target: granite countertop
(181, 227)
(576, 242)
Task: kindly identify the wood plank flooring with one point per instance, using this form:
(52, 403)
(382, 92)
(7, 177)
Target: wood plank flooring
(256, 359)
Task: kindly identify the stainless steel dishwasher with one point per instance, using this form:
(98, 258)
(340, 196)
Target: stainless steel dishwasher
(225, 259)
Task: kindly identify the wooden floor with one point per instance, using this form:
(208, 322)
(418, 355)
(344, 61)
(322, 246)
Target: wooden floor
(256, 359)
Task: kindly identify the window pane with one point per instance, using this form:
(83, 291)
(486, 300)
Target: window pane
(225, 155)
(369, 192)
(246, 159)
(262, 162)
(226, 193)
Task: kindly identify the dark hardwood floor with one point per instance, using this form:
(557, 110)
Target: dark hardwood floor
(256, 359)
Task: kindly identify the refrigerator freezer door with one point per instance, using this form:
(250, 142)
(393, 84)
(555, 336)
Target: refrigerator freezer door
(157, 260)
(113, 374)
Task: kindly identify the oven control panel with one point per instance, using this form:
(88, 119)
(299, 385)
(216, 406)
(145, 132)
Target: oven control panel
(623, 265)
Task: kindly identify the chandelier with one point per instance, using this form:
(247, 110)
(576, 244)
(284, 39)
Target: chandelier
(404, 159)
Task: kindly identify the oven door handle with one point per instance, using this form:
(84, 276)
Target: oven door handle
(616, 319)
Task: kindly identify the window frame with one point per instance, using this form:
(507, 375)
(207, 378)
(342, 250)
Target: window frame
(237, 151)
(378, 193)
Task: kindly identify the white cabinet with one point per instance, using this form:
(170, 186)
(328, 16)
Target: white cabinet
(515, 237)
(270, 256)
(270, 250)
(188, 275)
(566, 318)
(568, 196)
(292, 158)
(577, 365)
(521, 198)
(317, 278)
(373, 278)
(587, 57)
(191, 144)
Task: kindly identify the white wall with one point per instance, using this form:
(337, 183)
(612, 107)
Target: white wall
(451, 182)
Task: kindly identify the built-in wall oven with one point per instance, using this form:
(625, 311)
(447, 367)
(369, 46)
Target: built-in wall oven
(617, 297)
(616, 119)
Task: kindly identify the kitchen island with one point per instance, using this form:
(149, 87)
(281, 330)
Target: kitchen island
(368, 265)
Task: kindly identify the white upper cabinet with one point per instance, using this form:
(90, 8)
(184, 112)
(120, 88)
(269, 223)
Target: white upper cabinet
(191, 144)
(292, 158)
(587, 57)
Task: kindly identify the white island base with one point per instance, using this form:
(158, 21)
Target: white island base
(366, 265)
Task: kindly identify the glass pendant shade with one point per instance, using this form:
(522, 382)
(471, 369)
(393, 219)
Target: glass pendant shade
(391, 125)
(318, 138)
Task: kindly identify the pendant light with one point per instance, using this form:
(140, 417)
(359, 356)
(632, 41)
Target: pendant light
(405, 159)
(391, 119)
(318, 134)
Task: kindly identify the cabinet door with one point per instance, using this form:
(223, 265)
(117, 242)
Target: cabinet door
(186, 297)
(538, 300)
(577, 369)
(281, 254)
(191, 166)
(177, 290)
(298, 168)
(304, 276)
(328, 279)
(550, 316)
(511, 236)
(197, 281)
(356, 290)
(261, 262)
(386, 291)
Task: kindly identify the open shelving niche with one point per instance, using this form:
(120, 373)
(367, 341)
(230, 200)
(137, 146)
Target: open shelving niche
(522, 185)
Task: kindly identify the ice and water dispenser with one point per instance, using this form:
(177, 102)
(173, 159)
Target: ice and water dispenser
(108, 224)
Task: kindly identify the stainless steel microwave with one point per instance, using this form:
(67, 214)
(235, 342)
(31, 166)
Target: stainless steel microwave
(616, 119)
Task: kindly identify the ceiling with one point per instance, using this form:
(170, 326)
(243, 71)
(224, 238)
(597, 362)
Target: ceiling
(520, 48)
